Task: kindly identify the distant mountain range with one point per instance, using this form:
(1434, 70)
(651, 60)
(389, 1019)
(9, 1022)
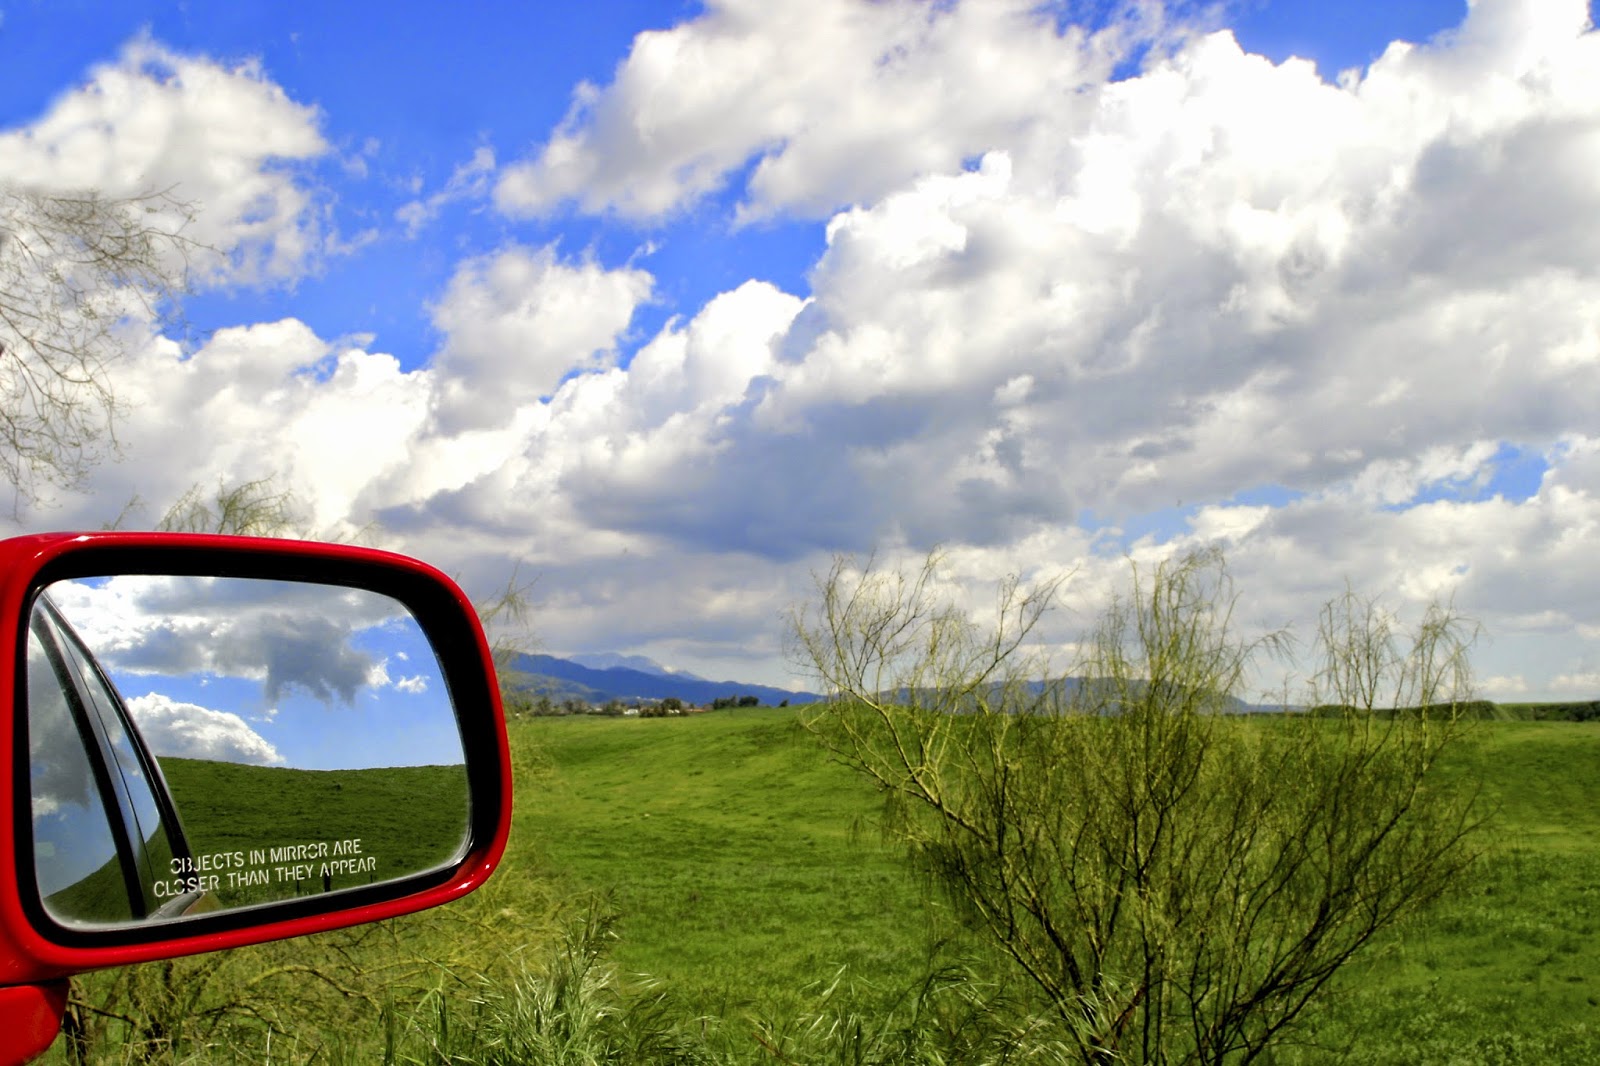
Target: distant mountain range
(630, 677)
(610, 660)
(599, 678)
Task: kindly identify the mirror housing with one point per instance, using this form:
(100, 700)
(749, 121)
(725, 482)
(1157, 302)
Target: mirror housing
(36, 951)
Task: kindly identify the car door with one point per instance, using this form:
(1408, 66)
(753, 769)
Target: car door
(106, 835)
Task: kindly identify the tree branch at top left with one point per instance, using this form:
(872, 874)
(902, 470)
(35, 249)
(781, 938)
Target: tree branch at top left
(78, 272)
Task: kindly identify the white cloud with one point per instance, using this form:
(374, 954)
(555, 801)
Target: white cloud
(897, 97)
(1581, 685)
(1275, 276)
(223, 138)
(285, 635)
(189, 731)
(517, 321)
(1037, 308)
(1219, 275)
(469, 181)
(1504, 689)
(269, 400)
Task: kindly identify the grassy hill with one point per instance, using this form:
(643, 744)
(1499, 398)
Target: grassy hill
(748, 879)
(742, 862)
(746, 869)
(407, 818)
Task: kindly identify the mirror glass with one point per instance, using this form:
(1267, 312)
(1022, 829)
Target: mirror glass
(198, 744)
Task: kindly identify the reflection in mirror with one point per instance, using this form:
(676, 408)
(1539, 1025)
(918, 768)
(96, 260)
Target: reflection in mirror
(197, 744)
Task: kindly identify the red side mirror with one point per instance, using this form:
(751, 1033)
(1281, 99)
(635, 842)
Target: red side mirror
(205, 741)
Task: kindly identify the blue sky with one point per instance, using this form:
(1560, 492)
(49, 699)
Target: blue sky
(655, 303)
(269, 673)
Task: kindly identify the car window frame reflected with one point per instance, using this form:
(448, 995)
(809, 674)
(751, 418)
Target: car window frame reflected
(79, 679)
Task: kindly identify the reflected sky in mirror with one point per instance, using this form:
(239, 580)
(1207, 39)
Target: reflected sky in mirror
(270, 673)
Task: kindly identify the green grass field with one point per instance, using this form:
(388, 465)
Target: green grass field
(1508, 971)
(746, 868)
(406, 818)
(746, 875)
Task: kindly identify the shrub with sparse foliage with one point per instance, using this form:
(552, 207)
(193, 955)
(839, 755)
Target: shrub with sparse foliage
(1178, 883)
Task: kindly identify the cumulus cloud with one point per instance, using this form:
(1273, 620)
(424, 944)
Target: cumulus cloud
(1220, 300)
(517, 321)
(189, 731)
(288, 636)
(223, 138)
(1582, 685)
(1241, 306)
(896, 98)
(311, 656)
(1218, 275)
(270, 400)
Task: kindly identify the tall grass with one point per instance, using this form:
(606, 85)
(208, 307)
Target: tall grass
(571, 1006)
(567, 1006)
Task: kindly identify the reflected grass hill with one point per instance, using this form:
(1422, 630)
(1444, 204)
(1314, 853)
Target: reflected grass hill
(405, 818)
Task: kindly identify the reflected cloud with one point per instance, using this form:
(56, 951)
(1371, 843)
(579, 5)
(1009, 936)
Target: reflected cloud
(189, 731)
(337, 677)
(286, 635)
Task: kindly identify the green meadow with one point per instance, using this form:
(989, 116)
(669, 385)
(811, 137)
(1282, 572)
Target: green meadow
(745, 867)
(1508, 970)
(747, 870)
(713, 889)
(404, 818)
